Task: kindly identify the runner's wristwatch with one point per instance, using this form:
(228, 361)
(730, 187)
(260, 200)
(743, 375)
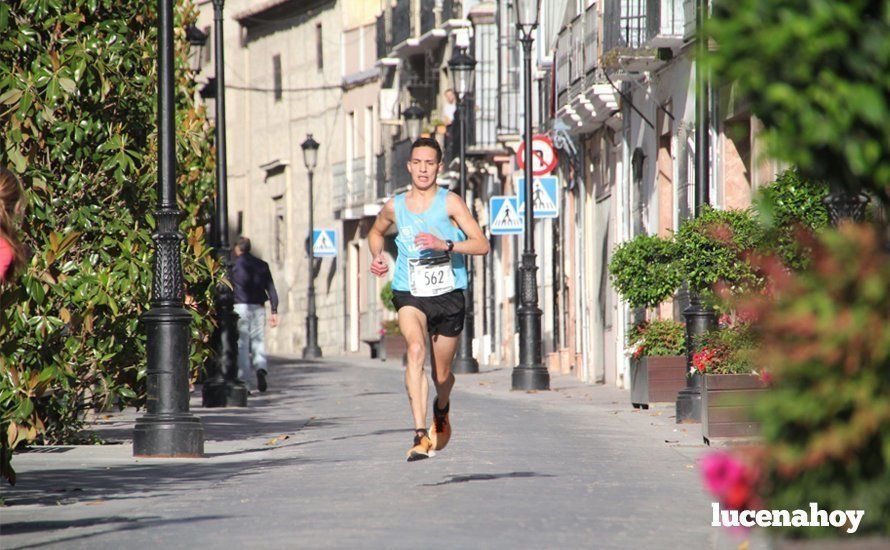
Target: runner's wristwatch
(450, 244)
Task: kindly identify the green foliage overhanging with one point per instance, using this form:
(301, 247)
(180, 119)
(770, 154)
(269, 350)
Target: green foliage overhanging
(816, 73)
(78, 89)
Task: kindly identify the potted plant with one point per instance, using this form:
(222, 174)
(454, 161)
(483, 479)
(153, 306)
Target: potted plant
(730, 381)
(658, 362)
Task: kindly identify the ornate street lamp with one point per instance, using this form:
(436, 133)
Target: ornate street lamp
(167, 428)
(223, 387)
(311, 351)
(195, 36)
(530, 373)
(699, 319)
(462, 68)
(413, 120)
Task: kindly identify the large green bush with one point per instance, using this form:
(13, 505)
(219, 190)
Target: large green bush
(645, 270)
(786, 207)
(815, 73)
(78, 89)
(826, 420)
(712, 248)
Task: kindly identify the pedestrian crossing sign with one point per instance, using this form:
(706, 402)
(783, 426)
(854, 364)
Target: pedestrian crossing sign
(324, 243)
(504, 215)
(546, 196)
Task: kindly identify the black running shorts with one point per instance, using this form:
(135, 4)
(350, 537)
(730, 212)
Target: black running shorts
(444, 314)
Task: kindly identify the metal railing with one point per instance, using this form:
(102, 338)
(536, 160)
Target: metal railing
(383, 187)
(339, 185)
(624, 24)
(563, 65)
(591, 30)
(401, 22)
(509, 74)
(485, 101)
(665, 19)
(362, 186)
(382, 42)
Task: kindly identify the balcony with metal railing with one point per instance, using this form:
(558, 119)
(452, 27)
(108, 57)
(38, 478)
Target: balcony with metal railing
(407, 21)
(584, 99)
(666, 23)
(625, 36)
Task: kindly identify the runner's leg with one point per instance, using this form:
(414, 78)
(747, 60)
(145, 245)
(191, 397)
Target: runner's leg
(412, 323)
(444, 348)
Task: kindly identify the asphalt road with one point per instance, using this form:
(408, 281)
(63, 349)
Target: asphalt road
(319, 462)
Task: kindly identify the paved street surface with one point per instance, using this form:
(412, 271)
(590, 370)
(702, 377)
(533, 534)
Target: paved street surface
(319, 462)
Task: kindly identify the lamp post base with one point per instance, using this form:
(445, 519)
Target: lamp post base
(689, 405)
(531, 379)
(168, 435)
(236, 394)
(213, 394)
(312, 352)
(465, 365)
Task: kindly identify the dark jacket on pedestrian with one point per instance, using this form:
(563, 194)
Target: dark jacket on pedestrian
(252, 282)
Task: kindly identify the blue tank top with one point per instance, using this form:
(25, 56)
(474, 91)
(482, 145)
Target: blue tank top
(434, 220)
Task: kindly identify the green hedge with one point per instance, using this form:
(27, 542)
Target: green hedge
(78, 116)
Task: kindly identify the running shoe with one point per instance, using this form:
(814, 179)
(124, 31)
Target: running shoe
(440, 431)
(422, 448)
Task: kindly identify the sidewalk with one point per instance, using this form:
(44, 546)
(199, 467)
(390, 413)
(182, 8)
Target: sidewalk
(318, 462)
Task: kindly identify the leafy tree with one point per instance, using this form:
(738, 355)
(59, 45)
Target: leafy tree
(815, 72)
(713, 247)
(786, 207)
(78, 114)
(645, 270)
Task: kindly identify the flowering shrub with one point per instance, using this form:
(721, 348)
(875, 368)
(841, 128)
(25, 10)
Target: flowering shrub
(657, 338)
(732, 481)
(727, 350)
(825, 423)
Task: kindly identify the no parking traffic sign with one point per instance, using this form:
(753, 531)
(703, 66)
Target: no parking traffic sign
(544, 159)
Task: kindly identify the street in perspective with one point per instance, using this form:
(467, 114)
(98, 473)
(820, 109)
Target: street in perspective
(445, 273)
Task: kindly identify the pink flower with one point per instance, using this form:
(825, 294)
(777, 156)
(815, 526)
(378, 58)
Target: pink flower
(730, 480)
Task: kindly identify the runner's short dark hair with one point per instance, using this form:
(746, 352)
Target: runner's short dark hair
(428, 142)
(243, 244)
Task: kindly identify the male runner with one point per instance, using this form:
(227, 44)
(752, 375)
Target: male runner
(434, 230)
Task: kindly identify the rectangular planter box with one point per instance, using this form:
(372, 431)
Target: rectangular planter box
(395, 347)
(726, 405)
(656, 379)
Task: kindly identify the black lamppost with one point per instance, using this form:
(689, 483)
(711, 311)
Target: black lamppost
(530, 373)
(699, 318)
(413, 119)
(223, 387)
(462, 68)
(167, 428)
(311, 351)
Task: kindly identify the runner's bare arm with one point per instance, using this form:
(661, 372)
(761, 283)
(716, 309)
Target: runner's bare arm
(476, 243)
(385, 218)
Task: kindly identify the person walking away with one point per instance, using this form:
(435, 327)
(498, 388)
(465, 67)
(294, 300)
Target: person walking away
(12, 251)
(435, 229)
(252, 284)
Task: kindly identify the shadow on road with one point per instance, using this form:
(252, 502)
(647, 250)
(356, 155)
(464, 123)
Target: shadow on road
(129, 524)
(485, 477)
